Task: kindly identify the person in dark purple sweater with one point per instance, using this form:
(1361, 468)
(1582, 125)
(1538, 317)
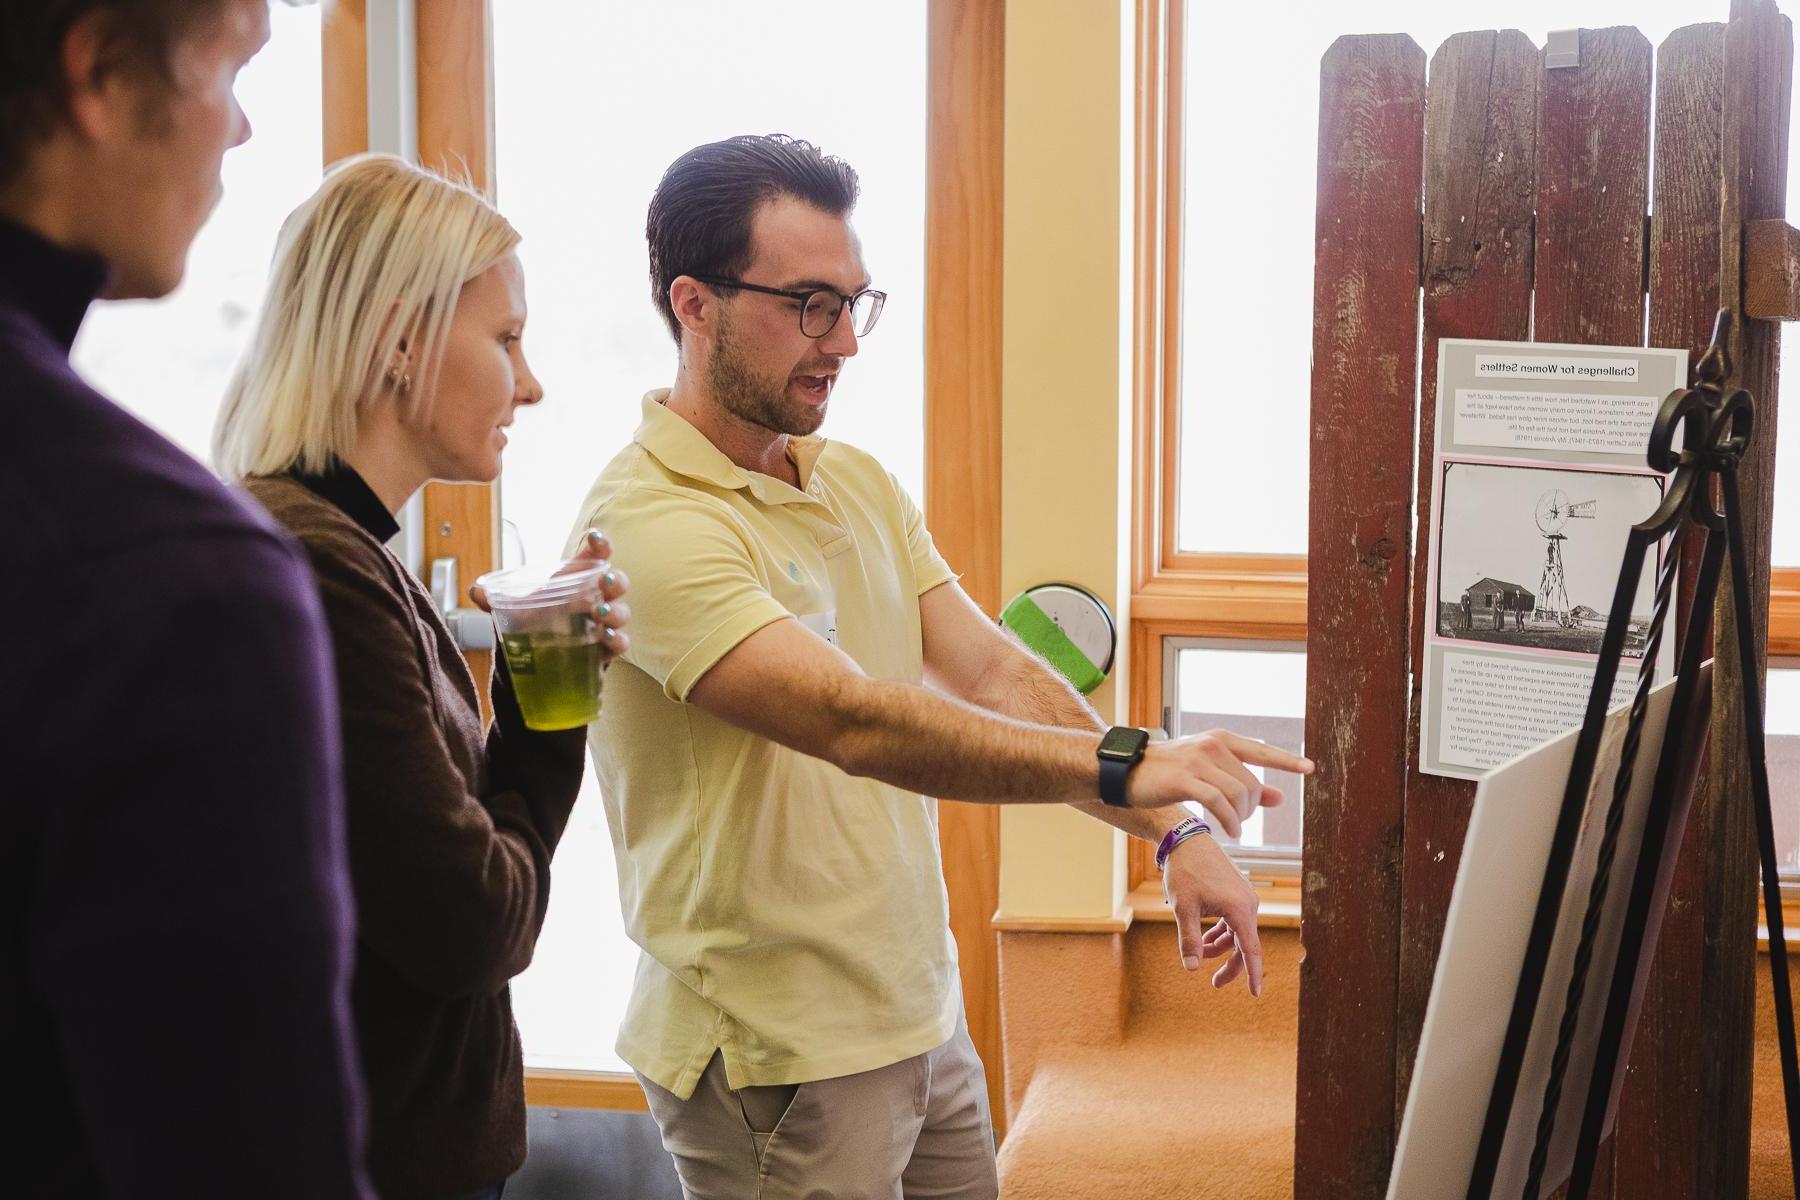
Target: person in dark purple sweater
(174, 906)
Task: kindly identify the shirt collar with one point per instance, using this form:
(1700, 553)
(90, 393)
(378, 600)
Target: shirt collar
(680, 447)
(342, 486)
(52, 284)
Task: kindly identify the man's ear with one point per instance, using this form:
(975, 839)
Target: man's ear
(694, 306)
(99, 94)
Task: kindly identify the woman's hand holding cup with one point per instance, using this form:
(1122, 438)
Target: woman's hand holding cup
(611, 612)
(559, 631)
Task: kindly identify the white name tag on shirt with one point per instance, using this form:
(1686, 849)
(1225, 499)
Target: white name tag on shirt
(824, 624)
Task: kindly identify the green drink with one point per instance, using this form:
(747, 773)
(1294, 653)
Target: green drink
(556, 678)
(550, 636)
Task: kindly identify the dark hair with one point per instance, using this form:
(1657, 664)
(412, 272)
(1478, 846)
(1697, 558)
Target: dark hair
(699, 221)
(140, 35)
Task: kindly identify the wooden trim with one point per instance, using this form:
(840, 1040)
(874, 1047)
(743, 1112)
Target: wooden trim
(1280, 909)
(1146, 712)
(1170, 191)
(456, 136)
(1790, 923)
(1148, 231)
(1226, 604)
(1784, 612)
(455, 64)
(1180, 563)
(584, 1089)
(344, 74)
(1279, 902)
(964, 222)
(1145, 648)
(1117, 923)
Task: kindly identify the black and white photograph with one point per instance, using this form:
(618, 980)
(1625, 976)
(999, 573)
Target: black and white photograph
(1529, 556)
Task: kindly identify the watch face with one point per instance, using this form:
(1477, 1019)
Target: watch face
(1124, 743)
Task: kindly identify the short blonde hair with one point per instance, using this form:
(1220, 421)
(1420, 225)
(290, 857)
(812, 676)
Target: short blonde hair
(378, 255)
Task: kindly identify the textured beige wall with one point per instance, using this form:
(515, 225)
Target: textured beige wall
(1064, 407)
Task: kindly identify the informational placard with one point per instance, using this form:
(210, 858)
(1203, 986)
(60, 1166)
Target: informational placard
(1538, 473)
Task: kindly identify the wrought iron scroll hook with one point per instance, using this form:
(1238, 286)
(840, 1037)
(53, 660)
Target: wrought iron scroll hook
(1715, 429)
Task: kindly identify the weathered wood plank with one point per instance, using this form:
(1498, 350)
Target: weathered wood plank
(1758, 95)
(1772, 270)
(1659, 1094)
(1480, 139)
(1593, 192)
(1371, 140)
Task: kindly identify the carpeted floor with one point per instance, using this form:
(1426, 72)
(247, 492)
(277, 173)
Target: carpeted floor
(1197, 1102)
(1770, 1172)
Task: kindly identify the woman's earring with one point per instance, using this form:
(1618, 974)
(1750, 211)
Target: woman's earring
(399, 380)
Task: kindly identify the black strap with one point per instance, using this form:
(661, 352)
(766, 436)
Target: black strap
(1113, 774)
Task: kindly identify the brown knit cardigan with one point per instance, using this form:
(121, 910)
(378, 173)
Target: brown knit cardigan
(451, 829)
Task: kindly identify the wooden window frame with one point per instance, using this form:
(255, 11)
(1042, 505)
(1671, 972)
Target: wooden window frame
(1177, 593)
(1182, 593)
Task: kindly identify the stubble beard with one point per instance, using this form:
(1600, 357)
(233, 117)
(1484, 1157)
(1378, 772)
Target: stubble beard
(752, 398)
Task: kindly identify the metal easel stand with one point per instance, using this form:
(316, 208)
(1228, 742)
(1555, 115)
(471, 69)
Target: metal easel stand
(1718, 424)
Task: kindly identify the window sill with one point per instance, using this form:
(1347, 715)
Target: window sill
(1119, 922)
(1280, 903)
(1281, 910)
(584, 1089)
(1790, 922)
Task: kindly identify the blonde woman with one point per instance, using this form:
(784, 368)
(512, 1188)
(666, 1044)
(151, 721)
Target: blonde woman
(389, 353)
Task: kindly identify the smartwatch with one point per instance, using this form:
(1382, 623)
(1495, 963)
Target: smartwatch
(1120, 750)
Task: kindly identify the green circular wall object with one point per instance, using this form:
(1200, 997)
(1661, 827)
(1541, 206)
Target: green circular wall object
(1070, 627)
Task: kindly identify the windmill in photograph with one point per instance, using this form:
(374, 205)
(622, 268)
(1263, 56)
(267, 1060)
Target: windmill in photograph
(1554, 510)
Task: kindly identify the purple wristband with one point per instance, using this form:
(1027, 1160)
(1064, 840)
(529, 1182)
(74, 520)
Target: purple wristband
(1189, 827)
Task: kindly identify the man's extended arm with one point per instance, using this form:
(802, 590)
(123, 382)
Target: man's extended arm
(969, 655)
(790, 686)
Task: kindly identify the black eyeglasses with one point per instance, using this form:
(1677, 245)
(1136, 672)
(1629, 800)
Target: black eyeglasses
(820, 308)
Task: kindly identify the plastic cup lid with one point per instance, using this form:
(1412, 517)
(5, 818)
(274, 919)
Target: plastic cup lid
(527, 587)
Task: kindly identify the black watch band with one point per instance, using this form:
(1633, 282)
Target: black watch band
(1120, 750)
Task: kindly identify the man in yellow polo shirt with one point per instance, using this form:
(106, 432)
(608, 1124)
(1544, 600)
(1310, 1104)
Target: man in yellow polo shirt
(769, 738)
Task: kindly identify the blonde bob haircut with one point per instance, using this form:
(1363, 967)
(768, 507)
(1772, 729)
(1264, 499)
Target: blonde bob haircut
(369, 267)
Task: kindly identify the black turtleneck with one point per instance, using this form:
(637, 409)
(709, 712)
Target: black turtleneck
(52, 286)
(343, 486)
(175, 924)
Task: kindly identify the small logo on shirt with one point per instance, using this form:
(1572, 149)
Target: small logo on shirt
(794, 571)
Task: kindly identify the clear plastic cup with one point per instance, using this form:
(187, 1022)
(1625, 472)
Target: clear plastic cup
(550, 639)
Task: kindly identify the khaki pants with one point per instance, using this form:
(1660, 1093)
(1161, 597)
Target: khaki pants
(918, 1128)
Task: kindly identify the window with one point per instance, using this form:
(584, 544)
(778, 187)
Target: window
(1257, 689)
(589, 111)
(169, 360)
(1225, 283)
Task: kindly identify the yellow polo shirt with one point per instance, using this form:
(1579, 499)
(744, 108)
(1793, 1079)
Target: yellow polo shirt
(790, 916)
